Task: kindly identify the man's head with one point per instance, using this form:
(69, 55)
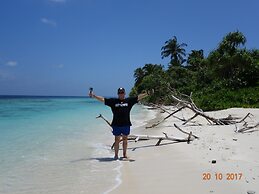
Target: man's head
(121, 93)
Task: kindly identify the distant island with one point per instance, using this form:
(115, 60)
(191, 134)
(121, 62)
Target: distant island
(227, 77)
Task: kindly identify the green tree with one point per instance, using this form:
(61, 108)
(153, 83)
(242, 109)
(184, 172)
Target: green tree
(231, 42)
(148, 69)
(151, 68)
(141, 73)
(181, 79)
(175, 50)
(228, 77)
(231, 65)
(138, 75)
(195, 59)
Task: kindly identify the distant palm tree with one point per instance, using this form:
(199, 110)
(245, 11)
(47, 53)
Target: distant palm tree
(175, 50)
(231, 42)
(151, 68)
(194, 59)
(148, 69)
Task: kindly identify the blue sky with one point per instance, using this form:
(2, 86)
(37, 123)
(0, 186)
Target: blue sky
(62, 47)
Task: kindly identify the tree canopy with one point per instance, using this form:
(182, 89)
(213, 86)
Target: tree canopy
(227, 77)
(175, 50)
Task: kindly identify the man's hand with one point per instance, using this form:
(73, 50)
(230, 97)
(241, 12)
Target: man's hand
(91, 94)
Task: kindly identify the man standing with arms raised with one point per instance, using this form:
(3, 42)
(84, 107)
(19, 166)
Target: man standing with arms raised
(121, 123)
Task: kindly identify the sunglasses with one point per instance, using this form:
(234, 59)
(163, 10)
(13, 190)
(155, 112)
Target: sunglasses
(121, 92)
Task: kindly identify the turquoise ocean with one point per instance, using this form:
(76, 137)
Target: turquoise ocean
(56, 145)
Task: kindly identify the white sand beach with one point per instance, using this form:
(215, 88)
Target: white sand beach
(187, 168)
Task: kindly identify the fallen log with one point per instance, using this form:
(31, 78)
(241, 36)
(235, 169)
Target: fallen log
(165, 137)
(136, 138)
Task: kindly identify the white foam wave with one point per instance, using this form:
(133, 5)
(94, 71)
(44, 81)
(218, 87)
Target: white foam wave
(117, 179)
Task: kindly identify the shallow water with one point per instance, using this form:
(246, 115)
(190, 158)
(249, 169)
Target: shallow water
(56, 145)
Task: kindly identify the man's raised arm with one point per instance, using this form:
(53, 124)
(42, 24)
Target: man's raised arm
(100, 98)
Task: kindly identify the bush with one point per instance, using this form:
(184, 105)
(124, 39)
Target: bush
(210, 99)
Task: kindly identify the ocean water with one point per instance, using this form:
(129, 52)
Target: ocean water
(56, 145)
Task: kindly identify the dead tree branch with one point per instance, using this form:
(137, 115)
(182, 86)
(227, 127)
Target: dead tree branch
(154, 125)
(246, 128)
(101, 116)
(189, 104)
(196, 137)
(136, 138)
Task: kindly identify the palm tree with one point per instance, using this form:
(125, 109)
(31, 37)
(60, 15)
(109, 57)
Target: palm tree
(148, 69)
(175, 50)
(231, 42)
(195, 58)
(152, 68)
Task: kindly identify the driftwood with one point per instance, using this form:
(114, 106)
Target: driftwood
(245, 128)
(199, 112)
(196, 137)
(171, 114)
(160, 138)
(137, 138)
(189, 104)
(156, 106)
(101, 116)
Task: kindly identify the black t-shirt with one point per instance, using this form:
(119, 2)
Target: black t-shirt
(121, 110)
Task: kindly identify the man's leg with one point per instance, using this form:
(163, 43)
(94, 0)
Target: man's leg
(125, 145)
(116, 146)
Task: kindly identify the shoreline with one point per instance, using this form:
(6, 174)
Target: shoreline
(171, 166)
(139, 120)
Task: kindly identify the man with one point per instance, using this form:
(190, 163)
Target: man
(121, 123)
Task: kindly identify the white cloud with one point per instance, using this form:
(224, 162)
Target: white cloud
(48, 22)
(11, 63)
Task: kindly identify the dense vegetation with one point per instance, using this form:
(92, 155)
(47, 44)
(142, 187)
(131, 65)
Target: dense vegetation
(227, 77)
